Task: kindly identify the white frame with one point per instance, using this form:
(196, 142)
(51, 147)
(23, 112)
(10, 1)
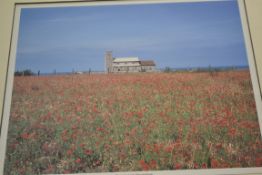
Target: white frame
(11, 66)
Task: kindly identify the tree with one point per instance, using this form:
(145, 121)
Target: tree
(167, 69)
(26, 72)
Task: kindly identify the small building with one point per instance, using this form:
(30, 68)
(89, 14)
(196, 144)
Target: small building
(127, 64)
(148, 66)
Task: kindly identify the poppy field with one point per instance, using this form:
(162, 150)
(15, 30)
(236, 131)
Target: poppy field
(132, 122)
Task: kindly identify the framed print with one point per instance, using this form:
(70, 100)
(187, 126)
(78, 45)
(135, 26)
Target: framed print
(131, 87)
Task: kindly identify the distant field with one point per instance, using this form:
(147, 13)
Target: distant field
(132, 122)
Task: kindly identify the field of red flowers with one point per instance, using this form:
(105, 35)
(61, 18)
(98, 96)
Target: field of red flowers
(132, 122)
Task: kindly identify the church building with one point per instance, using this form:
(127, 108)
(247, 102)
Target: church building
(127, 64)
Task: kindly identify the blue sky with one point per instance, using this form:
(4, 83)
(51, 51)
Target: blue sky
(173, 34)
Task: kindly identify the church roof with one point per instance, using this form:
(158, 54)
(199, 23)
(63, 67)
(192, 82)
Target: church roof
(125, 59)
(147, 63)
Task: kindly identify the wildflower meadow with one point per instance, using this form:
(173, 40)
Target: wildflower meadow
(132, 122)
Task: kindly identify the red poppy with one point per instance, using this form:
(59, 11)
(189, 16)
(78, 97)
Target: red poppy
(78, 160)
(69, 152)
(153, 164)
(178, 166)
(204, 165)
(25, 136)
(258, 161)
(169, 148)
(214, 163)
(144, 165)
(88, 152)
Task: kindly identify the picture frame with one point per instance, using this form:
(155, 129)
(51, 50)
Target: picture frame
(8, 54)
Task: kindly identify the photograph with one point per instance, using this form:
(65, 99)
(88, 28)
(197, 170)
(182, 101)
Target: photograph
(132, 87)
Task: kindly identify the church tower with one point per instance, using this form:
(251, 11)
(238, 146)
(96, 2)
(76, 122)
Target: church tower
(108, 62)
